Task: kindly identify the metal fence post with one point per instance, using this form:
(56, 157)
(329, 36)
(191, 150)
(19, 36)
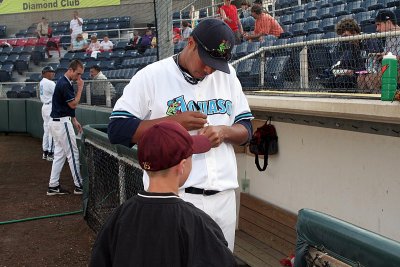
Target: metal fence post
(304, 68)
(262, 68)
(88, 97)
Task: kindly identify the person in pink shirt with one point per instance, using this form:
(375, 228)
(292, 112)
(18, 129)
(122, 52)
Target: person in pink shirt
(265, 25)
(230, 16)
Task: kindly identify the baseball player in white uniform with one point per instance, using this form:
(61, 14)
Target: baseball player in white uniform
(47, 86)
(75, 25)
(200, 90)
(61, 125)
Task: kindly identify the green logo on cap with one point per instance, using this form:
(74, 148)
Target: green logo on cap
(223, 46)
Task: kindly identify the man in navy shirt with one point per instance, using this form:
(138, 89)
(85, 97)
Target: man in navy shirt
(64, 103)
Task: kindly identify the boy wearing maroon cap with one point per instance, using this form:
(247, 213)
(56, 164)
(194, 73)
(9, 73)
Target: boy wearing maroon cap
(157, 228)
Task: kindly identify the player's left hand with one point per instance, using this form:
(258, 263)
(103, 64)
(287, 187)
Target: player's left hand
(78, 126)
(214, 133)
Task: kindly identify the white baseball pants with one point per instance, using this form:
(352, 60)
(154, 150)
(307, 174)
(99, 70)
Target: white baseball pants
(220, 207)
(65, 147)
(47, 142)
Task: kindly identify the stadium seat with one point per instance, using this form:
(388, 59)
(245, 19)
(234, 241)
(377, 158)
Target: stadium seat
(392, 3)
(6, 72)
(120, 45)
(21, 42)
(24, 94)
(102, 26)
(150, 52)
(299, 17)
(42, 41)
(12, 42)
(34, 77)
(11, 59)
(314, 27)
(3, 30)
(299, 29)
(59, 73)
(286, 19)
(104, 20)
(240, 50)
(114, 19)
(340, 10)
(63, 65)
(125, 22)
(132, 54)
(56, 47)
(311, 5)
(338, 2)
(328, 24)
(355, 7)
(117, 56)
(6, 50)
(176, 15)
(31, 42)
(275, 71)
(90, 64)
(364, 18)
(311, 15)
(3, 59)
(22, 63)
(243, 72)
(107, 64)
(253, 47)
(31, 88)
(287, 31)
(325, 12)
(325, 3)
(314, 36)
(373, 4)
(69, 56)
(12, 94)
(185, 15)
(203, 13)
(38, 54)
(17, 50)
(104, 55)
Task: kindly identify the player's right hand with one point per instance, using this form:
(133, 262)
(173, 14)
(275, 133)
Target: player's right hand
(80, 82)
(191, 120)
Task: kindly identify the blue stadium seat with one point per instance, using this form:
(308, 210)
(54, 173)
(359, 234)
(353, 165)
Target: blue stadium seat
(34, 77)
(312, 5)
(102, 26)
(132, 54)
(176, 15)
(373, 4)
(27, 50)
(114, 19)
(253, 47)
(104, 20)
(298, 8)
(129, 63)
(239, 50)
(150, 52)
(117, 56)
(3, 30)
(104, 55)
(328, 24)
(3, 58)
(299, 29)
(311, 15)
(6, 50)
(392, 3)
(120, 45)
(63, 65)
(82, 56)
(125, 22)
(314, 36)
(299, 17)
(59, 73)
(364, 18)
(22, 63)
(355, 7)
(340, 10)
(24, 94)
(128, 73)
(314, 27)
(38, 54)
(17, 50)
(329, 35)
(286, 19)
(325, 3)
(325, 12)
(203, 13)
(69, 56)
(243, 70)
(185, 15)
(31, 88)
(319, 59)
(275, 71)
(12, 59)
(107, 64)
(287, 31)
(6, 72)
(90, 64)
(338, 2)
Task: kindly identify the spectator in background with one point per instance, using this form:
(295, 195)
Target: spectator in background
(246, 19)
(265, 25)
(385, 21)
(43, 29)
(177, 35)
(229, 15)
(78, 44)
(105, 88)
(134, 41)
(106, 44)
(349, 61)
(145, 41)
(94, 46)
(186, 30)
(75, 26)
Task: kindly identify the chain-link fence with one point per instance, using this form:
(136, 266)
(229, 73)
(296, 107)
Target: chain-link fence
(113, 175)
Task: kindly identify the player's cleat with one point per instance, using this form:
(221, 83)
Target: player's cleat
(44, 156)
(78, 190)
(50, 157)
(57, 190)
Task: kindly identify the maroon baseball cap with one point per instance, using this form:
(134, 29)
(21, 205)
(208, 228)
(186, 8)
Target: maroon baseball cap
(166, 143)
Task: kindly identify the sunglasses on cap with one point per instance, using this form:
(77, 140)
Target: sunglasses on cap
(220, 53)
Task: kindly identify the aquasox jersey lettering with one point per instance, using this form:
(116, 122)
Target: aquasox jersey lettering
(209, 107)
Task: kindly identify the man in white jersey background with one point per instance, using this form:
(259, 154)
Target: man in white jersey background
(200, 90)
(47, 86)
(75, 26)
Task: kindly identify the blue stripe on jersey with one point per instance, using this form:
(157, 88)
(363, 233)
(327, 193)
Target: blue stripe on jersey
(244, 116)
(72, 154)
(121, 114)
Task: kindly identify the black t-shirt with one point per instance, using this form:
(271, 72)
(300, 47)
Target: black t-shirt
(63, 93)
(155, 229)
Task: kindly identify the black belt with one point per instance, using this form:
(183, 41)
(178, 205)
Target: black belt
(47, 103)
(56, 119)
(199, 191)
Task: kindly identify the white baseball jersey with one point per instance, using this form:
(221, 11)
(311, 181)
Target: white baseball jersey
(46, 90)
(106, 45)
(75, 27)
(160, 90)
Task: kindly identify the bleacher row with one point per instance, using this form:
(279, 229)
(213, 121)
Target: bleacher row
(61, 28)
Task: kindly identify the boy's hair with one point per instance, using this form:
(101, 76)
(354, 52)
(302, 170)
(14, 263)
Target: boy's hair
(95, 67)
(347, 24)
(185, 23)
(256, 9)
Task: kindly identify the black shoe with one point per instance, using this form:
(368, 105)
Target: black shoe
(44, 156)
(78, 190)
(57, 190)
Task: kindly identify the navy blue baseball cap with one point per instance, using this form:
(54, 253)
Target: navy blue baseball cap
(215, 41)
(48, 69)
(385, 15)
